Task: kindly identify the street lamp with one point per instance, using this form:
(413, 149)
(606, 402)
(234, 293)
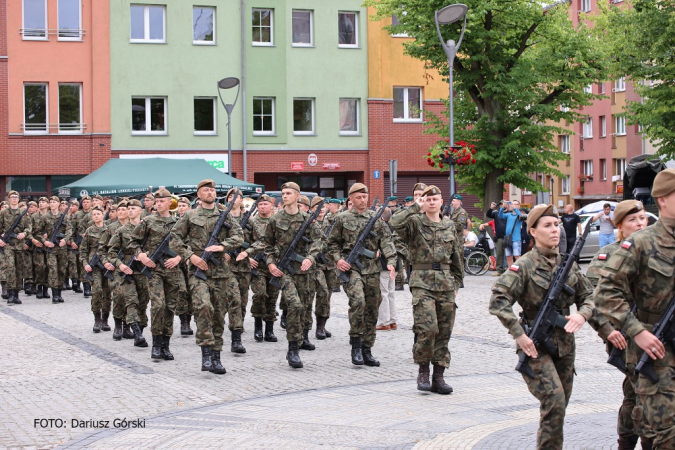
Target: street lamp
(229, 83)
(445, 16)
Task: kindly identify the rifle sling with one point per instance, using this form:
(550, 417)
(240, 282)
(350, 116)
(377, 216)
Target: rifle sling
(647, 317)
(531, 314)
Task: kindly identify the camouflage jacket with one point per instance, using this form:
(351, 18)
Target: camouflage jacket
(345, 233)
(430, 242)
(191, 233)
(106, 237)
(90, 244)
(459, 218)
(242, 266)
(119, 243)
(323, 226)
(527, 281)
(279, 233)
(256, 237)
(154, 228)
(84, 221)
(599, 321)
(47, 225)
(642, 269)
(7, 218)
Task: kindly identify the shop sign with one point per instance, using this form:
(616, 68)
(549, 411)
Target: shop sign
(298, 165)
(331, 166)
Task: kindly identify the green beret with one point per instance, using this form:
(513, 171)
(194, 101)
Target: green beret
(393, 198)
(458, 197)
(409, 199)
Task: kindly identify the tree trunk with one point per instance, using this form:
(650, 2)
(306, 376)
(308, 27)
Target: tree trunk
(494, 190)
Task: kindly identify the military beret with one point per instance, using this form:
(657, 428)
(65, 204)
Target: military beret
(97, 208)
(232, 191)
(162, 193)
(113, 207)
(290, 185)
(73, 201)
(409, 198)
(431, 190)
(266, 198)
(393, 198)
(626, 207)
(358, 188)
(538, 212)
(54, 198)
(32, 203)
(97, 197)
(664, 184)
(10, 193)
(184, 200)
(303, 200)
(149, 196)
(123, 204)
(419, 187)
(134, 202)
(63, 202)
(22, 204)
(206, 183)
(86, 197)
(316, 200)
(457, 196)
(43, 199)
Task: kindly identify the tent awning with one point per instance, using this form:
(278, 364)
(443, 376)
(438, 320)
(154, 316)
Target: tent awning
(129, 177)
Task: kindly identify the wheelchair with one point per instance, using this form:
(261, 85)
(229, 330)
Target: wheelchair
(477, 259)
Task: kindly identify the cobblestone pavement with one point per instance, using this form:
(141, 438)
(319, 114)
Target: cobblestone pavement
(54, 367)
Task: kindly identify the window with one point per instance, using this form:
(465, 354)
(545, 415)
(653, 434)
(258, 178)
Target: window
(35, 107)
(407, 104)
(203, 25)
(70, 108)
(565, 143)
(205, 115)
(148, 115)
(34, 20)
(585, 5)
(348, 24)
(564, 108)
(620, 123)
(263, 27)
(620, 85)
(601, 88)
(302, 29)
(588, 89)
(263, 116)
(70, 20)
(303, 116)
(588, 129)
(148, 23)
(349, 116)
(394, 22)
(603, 169)
(587, 167)
(603, 126)
(565, 185)
(619, 168)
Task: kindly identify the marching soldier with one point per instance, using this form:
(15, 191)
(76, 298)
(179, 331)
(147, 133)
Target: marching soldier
(219, 293)
(239, 267)
(167, 283)
(526, 282)
(279, 233)
(148, 204)
(112, 215)
(12, 258)
(3, 261)
(56, 253)
(459, 217)
(363, 288)
(100, 294)
(73, 260)
(39, 254)
(641, 270)
(326, 278)
(29, 272)
(83, 218)
(329, 219)
(184, 309)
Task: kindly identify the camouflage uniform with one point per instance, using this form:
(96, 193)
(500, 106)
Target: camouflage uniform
(641, 271)
(39, 255)
(265, 294)
(13, 253)
(73, 265)
(118, 308)
(459, 218)
(56, 259)
(241, 269)
(326, 277)
(433, 289)
(100, 291)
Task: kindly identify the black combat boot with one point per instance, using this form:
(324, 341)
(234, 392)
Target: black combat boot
(38, 291)
(320, 328)
(139, 340)
(66, 284)
(328, 333)
(206, 359)
(45, 292)
(258, 329)
(269, 332)
(166, 353)
(282, 320)
(188, 317)
(183, 325)
(357, 355)
(216, 365)
(126, 331)
(14, 296)
(627, 443)
(438, 384)
(423, 383)
(56, 294)
(368, 358)
(29, 289)
(646, 443)
(5, 294)
(293, 357)
(34, 289)
(117, 333)
(87, 289)
(76, 286)
(236, 346)
(104, 321)
(306, 344)
(156, 352)
(97, 322)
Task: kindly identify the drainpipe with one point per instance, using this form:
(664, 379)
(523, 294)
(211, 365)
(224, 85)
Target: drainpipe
(243, 86)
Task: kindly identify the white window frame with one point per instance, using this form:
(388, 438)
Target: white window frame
(146, 25)
(79, 29)
(620, 85)
(585, 5)
(80, 129)
(620, 125)
(587, 129)
(620, 167)
(263, 44)
(565, 142)
(148, 122)
(587, 165)
(601, 88)
(23, 21)
(356, 30)
(312, 132)
(198, 42)
(564, 108)
(565, 185)
(358, 117)
(399, 35)
(588, 89)
(273, 132)
(215, 116)
(406, 103)
(311, 28)
(603, 169)
(46, 130)
(603, 126)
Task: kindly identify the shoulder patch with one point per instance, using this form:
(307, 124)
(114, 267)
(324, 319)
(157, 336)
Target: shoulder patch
(603, 256)
(514, 268)
(626, 245)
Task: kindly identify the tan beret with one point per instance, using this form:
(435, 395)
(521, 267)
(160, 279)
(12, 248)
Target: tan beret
(32, 203)
(63, 202)
(266, 198)
(123, 204)
(419, 187)
(150, 196)
(74, 201)
(206, 183)
(304, 200)
(184, 200)
(134, 202)
(113, 207)
(664, 183)
(85, 197)
(55, 198)
(290, 185)
(316, 200)
(357, 188)
(627, 207)
(431, 190)
(43, 199)
(97, 208)
(22, 204)
(10, 193)
(538, 212)
(162, 193)
(232, 191)
(97, 197)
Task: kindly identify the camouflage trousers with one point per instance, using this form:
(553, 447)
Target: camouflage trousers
(136, 298)
(165, 288)
(433, 319)
(401, 273)
(74, 269)
(27, 266)
(211, 300)
(364, 302)
(40, 267)
(552, 386)
(118, 308)
(658, 403)
(100, 292)
(264, 303)
(326, 280)
(56, 267)
(184, 305)
(13, 270)
(296, 290)
(3, 267)
(307, 313)
(244, 282)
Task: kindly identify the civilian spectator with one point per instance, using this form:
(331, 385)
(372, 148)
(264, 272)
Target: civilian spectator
(606, 217)
(513, 219)
(572, 224)
(500, 230)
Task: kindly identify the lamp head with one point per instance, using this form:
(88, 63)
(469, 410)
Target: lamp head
(228, 83)
(451, 13)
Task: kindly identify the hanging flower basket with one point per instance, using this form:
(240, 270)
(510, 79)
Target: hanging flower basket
(442, 155)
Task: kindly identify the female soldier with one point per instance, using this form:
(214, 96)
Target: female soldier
(100, 298)
(526, 282)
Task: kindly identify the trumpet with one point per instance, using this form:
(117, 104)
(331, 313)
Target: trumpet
(174, 203)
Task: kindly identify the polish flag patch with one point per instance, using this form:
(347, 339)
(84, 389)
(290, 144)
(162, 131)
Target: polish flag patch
(627, 245)
(514, 268)
(602, 256)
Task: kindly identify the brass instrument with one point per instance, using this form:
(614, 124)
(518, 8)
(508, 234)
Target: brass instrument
(174, 203)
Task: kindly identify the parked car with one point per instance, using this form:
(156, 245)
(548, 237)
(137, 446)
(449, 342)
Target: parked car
(591, 246)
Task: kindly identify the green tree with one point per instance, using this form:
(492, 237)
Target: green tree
(518, 64)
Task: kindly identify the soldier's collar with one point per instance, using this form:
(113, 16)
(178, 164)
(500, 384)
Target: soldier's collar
(668, 224)
(548, 251)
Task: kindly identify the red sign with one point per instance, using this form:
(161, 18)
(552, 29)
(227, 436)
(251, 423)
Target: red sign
(297, 165)
(619, 188)
(331, 166)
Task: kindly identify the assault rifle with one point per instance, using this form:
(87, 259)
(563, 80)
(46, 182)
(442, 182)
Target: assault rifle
(95, 262)
(56, 236)
(664, 330)
(213, 239)
(77, 240)
(11, 234)
(615, 355)
(359, 249)
(285, 264)
(548, 317)
(375, 202)
(445, 212)
(244, 226)
(259, 257)
(160, 253)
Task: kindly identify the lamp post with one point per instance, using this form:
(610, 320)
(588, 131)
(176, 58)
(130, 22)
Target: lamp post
(229, 83)
(445, 16)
